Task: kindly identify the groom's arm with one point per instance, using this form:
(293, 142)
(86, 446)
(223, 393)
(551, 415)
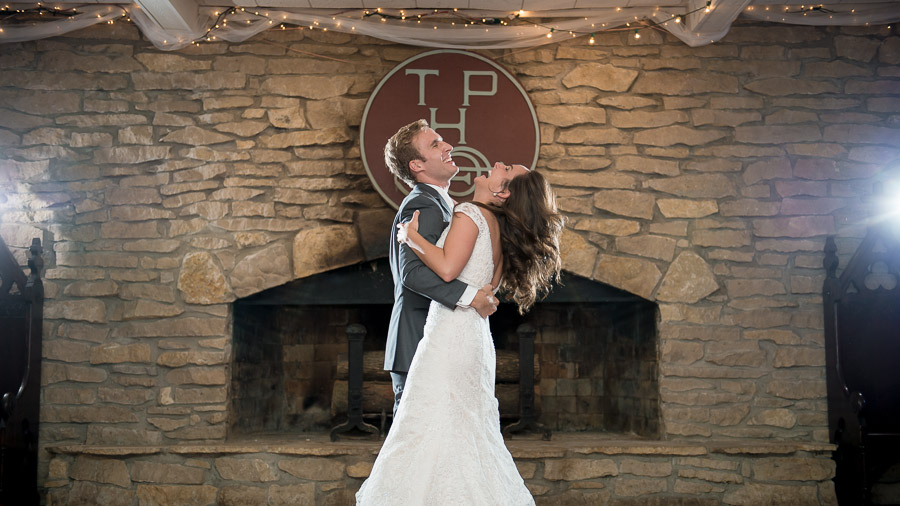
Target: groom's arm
(415, 275)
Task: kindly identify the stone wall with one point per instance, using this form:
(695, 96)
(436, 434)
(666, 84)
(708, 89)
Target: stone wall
(166, 185)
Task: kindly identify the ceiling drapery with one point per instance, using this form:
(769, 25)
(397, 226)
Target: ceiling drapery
(488, 29)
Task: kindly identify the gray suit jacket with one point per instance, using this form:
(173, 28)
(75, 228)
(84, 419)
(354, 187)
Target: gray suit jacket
(415, 285)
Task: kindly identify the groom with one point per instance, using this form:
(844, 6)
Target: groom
(419, 157)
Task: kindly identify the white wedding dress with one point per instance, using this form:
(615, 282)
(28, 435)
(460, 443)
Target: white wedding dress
(445, 447)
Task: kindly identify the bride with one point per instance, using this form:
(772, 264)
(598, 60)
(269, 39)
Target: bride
(445, 447)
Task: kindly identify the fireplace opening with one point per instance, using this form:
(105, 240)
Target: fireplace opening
(595, 355)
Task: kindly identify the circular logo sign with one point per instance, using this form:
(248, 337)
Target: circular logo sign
(469, 100)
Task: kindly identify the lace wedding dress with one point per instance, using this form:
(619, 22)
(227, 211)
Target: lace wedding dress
(445, 447)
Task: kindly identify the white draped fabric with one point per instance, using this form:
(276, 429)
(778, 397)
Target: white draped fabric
(440, 33)
(860, 15)
(86, 16)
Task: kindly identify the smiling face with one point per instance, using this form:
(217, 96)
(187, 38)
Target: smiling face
(498, 180)
(436, 166)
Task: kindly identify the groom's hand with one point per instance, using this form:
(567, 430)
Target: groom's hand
(485, 302)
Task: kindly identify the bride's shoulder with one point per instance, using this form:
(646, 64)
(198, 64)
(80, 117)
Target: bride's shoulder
(484, 219)
(469, 209)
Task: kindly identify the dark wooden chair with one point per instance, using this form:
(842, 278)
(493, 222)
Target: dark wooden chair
(21, 314)
(862, 355)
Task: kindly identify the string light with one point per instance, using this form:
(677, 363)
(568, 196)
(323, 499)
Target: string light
(454, 18)
(221, 20)
(55, 11)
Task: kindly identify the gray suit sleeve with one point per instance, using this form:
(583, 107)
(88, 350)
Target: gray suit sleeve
(415, 275)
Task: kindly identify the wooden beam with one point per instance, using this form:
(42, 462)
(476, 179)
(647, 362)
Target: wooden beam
(176, 16)
(721, 15)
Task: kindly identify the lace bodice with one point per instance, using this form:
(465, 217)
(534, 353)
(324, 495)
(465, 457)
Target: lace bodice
(479, 270)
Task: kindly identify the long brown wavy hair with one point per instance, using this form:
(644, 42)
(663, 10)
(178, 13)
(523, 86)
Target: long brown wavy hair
(530, 226)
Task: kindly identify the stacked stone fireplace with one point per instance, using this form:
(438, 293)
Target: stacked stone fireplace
(170, 189)
(595, 347)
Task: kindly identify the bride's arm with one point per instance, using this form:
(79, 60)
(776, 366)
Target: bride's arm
(448, 262)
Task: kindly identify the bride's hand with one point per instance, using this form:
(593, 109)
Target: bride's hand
(403, 229)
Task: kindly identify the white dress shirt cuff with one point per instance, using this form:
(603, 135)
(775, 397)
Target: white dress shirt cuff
(467, 297)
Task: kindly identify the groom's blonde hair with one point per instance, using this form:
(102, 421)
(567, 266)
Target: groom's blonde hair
(399, 151)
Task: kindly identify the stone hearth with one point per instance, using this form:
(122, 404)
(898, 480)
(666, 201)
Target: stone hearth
(572, 469)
